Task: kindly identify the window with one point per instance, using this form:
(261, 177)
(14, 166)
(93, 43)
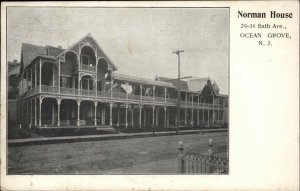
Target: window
(85, 59)
(65, 81)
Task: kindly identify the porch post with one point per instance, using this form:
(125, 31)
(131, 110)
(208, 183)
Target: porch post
(126, 90)
(95, 119)
(111, 84)
(141, 92)
(35, 75)
(126, 114)
(198, 113)
(30, 113)
(103, 114)
(118, 115)
(156, 117)
(78, 84)
(208, 118)
(58, 111)
(153, 111)
(203, 119)
(140, 117)
(165, 117)
(145, 113)
(59, 76)
(168, 116)
(213, 112)
(40, 111)
(35, 120)
(110, 113)
(40, 75)
(185, 112)
(165, 95)
(53, 75)
(132, 112)
(78, 112)
(153, 93)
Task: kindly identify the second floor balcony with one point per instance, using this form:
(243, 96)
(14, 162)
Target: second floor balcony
(62, 91)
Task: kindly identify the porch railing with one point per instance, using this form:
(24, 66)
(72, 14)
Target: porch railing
(49, 89)
(147, 98)
(71, 91)
(119, 95)
(88, 92)
(88, 67)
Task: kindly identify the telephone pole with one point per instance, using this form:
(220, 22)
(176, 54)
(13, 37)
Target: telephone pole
(178, 93)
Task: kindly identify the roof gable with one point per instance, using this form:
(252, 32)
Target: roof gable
(29, 52)
(88, 40)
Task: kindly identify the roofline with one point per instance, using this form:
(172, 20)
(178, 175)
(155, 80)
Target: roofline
(88, 35)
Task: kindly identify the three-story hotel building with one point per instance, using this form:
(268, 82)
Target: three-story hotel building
(79, 87)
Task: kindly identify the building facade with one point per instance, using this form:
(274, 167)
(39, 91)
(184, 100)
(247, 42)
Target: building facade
(79, 87)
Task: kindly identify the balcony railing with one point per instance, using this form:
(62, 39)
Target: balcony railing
(88, 68)
(88, 92)
(117, 95)
(71, 91)
(49, 89)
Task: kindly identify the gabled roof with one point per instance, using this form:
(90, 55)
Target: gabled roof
(29, 52)
(101, 52)
(54, 51)
(191, 85)
(183, 84)
(139, 80)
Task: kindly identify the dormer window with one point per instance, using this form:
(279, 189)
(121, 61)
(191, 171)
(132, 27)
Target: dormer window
(85, 59)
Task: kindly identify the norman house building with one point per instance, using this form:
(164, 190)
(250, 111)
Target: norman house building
(53, 87)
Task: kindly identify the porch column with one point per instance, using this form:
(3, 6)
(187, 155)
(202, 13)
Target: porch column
(192, 116)
(78, 112)
(79, 84)
(52, 75)
(208, 118)
(132, 112)
(140, 117)
(198, 113)
(126, 90)
(103, 114)
(30, 113)
(40, 111)
(110, 113)
(168, 117)
(96, 78)
(35, 120)
(126, 114)
(40, 75)
(145, 113)
(165, 95)
(153, 111)
(203, 119)
(156, 117)
(118, 115)
(95, 119)
(58, 112)
(111, 84)
(59, 76)
(165, 116)
(153, 93)
(35, 75)
(185, 116)
(141, 92)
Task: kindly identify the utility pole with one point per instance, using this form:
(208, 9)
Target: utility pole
(178, 93)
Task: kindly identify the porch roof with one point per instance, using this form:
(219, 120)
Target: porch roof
(145, 81)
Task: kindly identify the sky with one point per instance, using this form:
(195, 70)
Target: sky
(139, 41)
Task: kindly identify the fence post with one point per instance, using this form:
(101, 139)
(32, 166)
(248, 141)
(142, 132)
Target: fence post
(180, 158)
(210, 153)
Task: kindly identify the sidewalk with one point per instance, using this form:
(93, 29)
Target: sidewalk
(66, 139)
